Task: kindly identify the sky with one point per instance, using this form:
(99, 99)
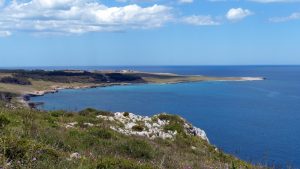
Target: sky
(149, 32)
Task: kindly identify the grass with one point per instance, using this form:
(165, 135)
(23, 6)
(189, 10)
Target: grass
(34, 139)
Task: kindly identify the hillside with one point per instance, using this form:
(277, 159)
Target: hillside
(100, 139)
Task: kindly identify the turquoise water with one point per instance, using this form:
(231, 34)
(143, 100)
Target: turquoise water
(258, 121)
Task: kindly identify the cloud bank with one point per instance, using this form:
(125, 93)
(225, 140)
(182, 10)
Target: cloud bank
(293, 16)
(200, 20)
(185, 1)
(79, 16)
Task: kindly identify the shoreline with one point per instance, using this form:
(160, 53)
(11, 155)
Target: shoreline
(24, 99)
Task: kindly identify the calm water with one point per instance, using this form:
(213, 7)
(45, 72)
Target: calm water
(257, 121)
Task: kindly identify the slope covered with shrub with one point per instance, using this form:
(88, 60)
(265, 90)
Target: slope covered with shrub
(36, 139)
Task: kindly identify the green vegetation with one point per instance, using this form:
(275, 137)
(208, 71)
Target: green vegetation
(14, 80)
(21, 77)
(137, 128)
(175, 123)
(115, 163)
(126, 114)
(94, 112)
(7, 96)
(35, 139)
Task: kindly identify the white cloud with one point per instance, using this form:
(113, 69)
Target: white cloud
(293, 16)
(199, 20)
(185, 1)
(274, 1)
(5, 33)
(79, 16)
(236, 14)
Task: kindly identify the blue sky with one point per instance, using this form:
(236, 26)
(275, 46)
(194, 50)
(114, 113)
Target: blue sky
(149, 32)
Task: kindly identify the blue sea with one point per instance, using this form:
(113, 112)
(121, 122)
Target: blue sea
(258, 121)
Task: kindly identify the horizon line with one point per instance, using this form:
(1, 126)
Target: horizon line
(1, 67)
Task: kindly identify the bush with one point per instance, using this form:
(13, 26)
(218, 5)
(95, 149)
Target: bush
(24, 149)
(118, 77)
(102, 133)
(175, 122)
(104, 113)
(87, 112)
(173, 126)
(137, 128)
(57, 113)
(137, 149)
(117, 163)
(126, 114)
(80, 77)
(6, 96)
(91, 111)
(171, 118)
(14, 80)
(4, 121)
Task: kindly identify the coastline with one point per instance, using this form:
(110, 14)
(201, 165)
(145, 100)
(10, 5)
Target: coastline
(26, 84)
(24, 99)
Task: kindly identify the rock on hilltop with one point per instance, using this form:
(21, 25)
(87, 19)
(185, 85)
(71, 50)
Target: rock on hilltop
(159, 126)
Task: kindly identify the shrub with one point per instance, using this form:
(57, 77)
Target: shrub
(14, 80)
(137, 149)
(4, 121)
(137, 128)
(117, 77)
(87, 111)
(57, 113)
(126, 114)
(175, 122)
(104, 113)
(6, 96)
(91, 111)
(15, 149)
(22, 149)
(51, 121)
(102, 133)
(171, 118)
(174, 126)
(118, 163)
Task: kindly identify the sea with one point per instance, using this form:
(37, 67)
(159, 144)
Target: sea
(257, 121)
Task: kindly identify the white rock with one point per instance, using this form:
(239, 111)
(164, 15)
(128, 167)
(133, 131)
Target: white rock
(73, 123)
(75, 156)
(129, 125)
(88, 124)
(153, 129)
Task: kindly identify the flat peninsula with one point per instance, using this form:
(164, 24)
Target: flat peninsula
(26, 83)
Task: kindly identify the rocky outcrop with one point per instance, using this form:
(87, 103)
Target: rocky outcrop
(151, 127)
